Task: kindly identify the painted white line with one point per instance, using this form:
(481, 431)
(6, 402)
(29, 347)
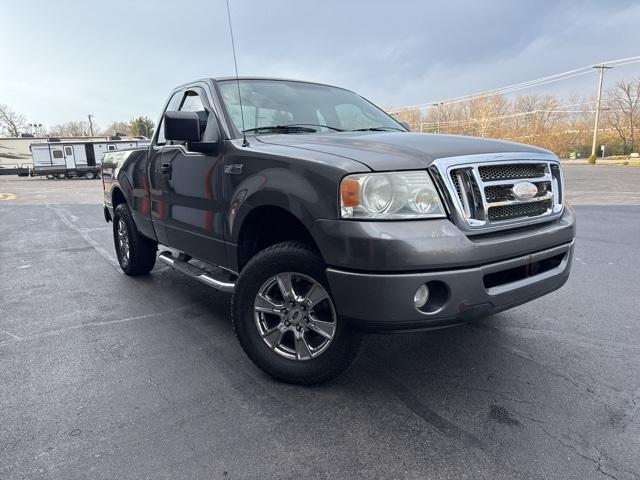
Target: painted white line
(101, 251)
(15, 337)
(58, 331)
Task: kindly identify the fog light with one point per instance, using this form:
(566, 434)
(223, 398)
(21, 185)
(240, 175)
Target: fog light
(421, 296)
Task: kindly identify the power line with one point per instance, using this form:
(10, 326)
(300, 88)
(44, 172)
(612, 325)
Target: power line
(520, 86)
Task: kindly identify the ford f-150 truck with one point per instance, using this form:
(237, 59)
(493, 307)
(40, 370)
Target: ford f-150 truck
(326, 218)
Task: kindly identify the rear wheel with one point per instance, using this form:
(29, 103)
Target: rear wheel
(285, 319)
(136, 254)
(90, 175)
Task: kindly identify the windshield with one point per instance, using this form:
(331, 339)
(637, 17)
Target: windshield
(317, 108)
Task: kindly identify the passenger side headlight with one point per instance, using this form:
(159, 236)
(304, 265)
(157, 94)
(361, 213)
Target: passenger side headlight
(389, 196)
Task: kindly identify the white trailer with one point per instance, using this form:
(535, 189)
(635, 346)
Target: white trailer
(77, 158)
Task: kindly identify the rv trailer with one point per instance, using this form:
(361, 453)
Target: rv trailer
(68, 159)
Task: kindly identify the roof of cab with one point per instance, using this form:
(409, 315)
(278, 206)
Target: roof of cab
(228, 78)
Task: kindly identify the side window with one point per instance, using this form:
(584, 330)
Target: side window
(57, 153)
(195, 100)
(172, 106)
(111, 147)
(192, 102)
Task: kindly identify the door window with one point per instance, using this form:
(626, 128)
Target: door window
(172, 106)
(192, 102)
(195, 101)
(68, 151)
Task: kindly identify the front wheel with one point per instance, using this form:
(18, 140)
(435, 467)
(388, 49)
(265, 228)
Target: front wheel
(136, 254)
(285, 319)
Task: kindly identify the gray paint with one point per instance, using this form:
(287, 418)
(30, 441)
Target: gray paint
(301, 174)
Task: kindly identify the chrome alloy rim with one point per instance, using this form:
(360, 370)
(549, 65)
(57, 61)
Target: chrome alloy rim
(295, 316)
(123, 240)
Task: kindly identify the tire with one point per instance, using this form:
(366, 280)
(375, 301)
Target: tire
(136, 254)
(295, 352)
(62, 176)
(89, 175)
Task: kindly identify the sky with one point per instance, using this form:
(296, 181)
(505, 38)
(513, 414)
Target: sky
(61, 60)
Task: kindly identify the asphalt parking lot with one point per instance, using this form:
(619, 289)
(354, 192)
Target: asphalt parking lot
(103, 376)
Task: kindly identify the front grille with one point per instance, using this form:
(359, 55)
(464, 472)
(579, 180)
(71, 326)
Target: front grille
(456, 184)
(511, 275)
(518, 210)
(483, 195)
(498, 193)
(511, 171)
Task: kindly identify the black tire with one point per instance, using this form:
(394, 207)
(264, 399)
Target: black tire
(298, 258)
(90, 175)
(141, 251)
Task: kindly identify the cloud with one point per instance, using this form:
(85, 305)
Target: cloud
(65, 62)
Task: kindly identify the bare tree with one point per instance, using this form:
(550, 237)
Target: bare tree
(71, 129)
(623, 114)
(118, 127)
(535, 113)
(11, 121)
(484, 115)
(411, 116)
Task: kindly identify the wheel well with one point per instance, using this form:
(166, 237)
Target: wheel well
(266, 226)
(117, 197)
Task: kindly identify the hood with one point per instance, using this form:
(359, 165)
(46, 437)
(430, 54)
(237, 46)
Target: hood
(395, 150)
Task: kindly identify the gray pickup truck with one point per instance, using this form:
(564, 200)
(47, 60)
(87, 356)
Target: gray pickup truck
(326, 218)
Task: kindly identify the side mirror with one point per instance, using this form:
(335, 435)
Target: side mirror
(406, 125)
(182, 126)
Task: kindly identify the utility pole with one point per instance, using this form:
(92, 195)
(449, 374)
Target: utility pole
(90, 124)
(602, 69)
(439, 109)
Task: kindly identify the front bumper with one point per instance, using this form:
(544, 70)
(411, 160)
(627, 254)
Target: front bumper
(386, 301)
(376, 268)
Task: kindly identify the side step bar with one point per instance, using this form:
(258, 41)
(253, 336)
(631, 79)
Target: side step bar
(195, 272)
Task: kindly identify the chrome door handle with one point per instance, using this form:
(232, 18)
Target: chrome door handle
(233, 169)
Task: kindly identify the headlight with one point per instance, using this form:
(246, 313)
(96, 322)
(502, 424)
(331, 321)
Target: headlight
(389, 196)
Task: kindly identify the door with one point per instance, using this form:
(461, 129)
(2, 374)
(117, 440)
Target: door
(69, 158)
(192, 195)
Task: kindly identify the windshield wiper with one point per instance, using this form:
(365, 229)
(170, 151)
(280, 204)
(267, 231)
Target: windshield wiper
(376, 129)
(315, 125)
(281, 129)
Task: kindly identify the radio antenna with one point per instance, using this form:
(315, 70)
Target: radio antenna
(245, 143)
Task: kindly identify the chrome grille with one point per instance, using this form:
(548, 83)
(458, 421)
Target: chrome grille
(481, 189)
(532, 209)
(498, 193)
(511, 171)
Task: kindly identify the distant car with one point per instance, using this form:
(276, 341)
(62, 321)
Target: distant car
(331, 219)
(9, 169)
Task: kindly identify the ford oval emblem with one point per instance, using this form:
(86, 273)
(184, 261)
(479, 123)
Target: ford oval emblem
(524, 190)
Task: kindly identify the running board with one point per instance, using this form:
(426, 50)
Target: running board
(195, 272)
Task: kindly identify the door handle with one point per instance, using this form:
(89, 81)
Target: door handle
(233, 169)
(166, 168)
